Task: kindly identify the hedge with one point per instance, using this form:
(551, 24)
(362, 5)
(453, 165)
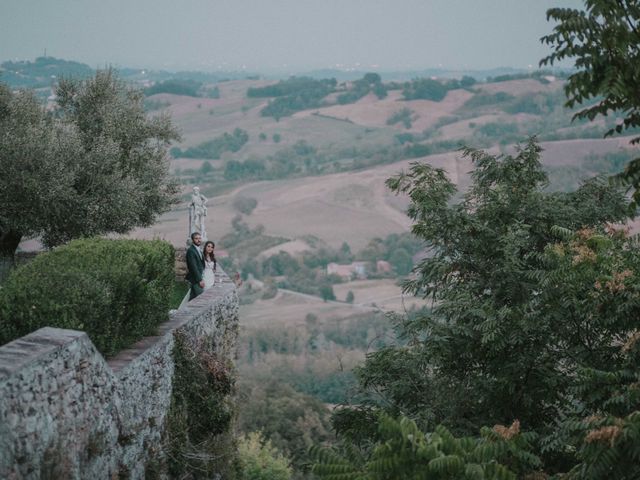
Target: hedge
(117, 291)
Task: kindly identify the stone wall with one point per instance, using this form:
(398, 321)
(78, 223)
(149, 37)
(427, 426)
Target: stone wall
(66, 412)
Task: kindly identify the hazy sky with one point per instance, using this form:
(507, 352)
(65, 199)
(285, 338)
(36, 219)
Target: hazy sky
(262, 35)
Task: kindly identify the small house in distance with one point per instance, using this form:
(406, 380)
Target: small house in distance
(348, 272)
(382, 266)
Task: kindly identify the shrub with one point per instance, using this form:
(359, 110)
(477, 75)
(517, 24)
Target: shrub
(189, 88)
(424, 89)
(213, 149)
(260, 460)
(401, 116)
(244, 204)
(115, 290)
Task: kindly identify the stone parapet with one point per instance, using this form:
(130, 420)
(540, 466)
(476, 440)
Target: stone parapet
(66, 412)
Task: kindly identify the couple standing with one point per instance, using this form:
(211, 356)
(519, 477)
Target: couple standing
(201, 265)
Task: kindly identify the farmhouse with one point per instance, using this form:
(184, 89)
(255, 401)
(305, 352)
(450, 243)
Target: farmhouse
(348, 272)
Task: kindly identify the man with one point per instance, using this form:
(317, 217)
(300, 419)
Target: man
(195, 266)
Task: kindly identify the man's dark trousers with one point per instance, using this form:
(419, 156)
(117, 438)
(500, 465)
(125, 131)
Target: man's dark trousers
(195, 268)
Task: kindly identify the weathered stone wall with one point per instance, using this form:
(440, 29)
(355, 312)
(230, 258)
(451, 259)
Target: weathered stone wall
(181, 263)
(65, 412)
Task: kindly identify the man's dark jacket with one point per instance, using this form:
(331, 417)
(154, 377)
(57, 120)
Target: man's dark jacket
(195, 269)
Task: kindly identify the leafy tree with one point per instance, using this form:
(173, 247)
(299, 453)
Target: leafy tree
(189, 88)
(280, 264)
(259, 460)
(326, 292)
(402, 451)
(244, 205)
(425, 89)
(290, 420)
(487, 342)
(350, 297)
(467, 81)
(99, 166)
(592, 287)
(403, 116)
(401, 261)
(371, 78)
(604, 40)
(292, 95)
(206, 168)
(213, 149)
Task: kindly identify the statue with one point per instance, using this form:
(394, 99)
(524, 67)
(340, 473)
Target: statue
(197, 212)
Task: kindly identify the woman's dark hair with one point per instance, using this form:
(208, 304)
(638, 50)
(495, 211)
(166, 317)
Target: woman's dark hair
(213, 255)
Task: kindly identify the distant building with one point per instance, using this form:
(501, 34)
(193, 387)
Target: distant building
(382, 266)
(348, 272)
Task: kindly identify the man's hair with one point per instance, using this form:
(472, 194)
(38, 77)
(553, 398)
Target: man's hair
(193, 235)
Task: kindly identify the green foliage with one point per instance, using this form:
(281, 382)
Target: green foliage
(401, 451)
(291, 86)
(603, 39)
(403, 116)
(402, 138)
(186, 87)
(259, 460)
(281, 263)
(246, 242)
(502, 131)
(384, 249)
(326, 293)
(41, 72)
(301, 157)
(533, 103)
(609, 440)
(350, 297)
(370, 82)
(467, 81)
(178, 293)
(593, 275)
(290, 420)
(486, 302)
(488, 99)
(401, 261)
(305, 356)
(244, 205)
(115, 290)
(424, 89)
(538, 75)
(205, 169)
(292, 95)
(211, 92)
(150, 105)
(99, 166)
(201, 413)
(609, 163)
(212, 149)
(535, 301)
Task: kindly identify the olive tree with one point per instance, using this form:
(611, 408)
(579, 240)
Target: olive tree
(95, 165)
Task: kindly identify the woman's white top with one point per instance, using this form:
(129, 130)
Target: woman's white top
(209, 275)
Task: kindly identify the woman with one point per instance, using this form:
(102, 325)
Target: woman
(210, 264)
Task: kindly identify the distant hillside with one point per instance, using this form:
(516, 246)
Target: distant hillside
(42, 72)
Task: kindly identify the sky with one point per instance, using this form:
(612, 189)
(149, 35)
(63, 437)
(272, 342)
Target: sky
(280, 35)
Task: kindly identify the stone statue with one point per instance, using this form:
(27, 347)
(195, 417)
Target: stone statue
(197, 212)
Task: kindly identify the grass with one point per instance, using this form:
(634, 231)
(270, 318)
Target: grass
(180, 289)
